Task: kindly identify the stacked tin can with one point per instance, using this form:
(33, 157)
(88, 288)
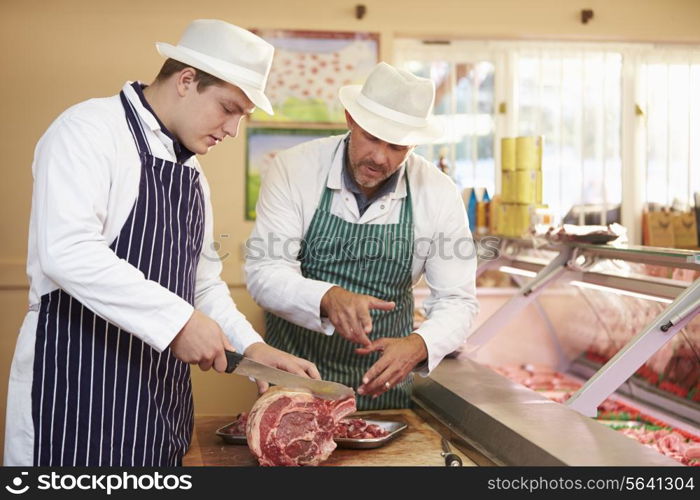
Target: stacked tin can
(521, 185)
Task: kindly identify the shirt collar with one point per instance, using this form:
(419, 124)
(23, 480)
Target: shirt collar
(335, 176)
(146, 113)
(387, 186)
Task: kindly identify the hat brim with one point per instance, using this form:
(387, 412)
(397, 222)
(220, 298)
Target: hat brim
(385, 129)
(255, 95)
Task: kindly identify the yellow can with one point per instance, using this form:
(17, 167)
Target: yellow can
(503, 220)
(508, 153)
(522, 219)
(508, 186)
(528, 153)
(525, 186)
(494, 214)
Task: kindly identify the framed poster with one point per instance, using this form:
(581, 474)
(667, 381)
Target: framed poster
(309, 68)
(262, 146)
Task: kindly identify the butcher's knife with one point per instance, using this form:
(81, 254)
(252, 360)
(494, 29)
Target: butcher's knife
(451, 459)
(240, 365)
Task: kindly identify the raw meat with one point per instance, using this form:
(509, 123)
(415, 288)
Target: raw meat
(293, 427)
(358, 428)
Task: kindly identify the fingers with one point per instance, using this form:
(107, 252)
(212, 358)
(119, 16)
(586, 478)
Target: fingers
(378, 379)
(351, 329)
(220, 362)
(312, 371)
(293, 366)
(226, 343)
(365, 320)
(262, 386)
(380, 304)
(357, 328)
(390, 369)
(377, 345)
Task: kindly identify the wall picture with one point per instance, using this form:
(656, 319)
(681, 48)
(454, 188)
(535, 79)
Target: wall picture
(263, 144)
(308, 69)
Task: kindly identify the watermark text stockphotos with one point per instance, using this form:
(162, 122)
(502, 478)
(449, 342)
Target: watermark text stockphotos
(104, 482)
(366, 248)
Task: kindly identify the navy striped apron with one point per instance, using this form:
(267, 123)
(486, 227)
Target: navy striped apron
(101, 396)
(373, 259)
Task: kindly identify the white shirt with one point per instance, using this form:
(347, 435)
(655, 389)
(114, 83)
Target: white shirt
(291, 190)
(86, 179)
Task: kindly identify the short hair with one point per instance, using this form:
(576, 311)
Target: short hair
(203, 79)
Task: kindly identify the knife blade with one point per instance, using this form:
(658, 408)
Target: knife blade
(240, 365)
(451, 459)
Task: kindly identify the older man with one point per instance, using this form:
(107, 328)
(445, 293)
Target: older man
(122, 293)
(346, 226)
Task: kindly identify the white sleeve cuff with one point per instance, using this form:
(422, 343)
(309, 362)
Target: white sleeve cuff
(173, 322)
(244, 338)
(433, 358)
(327, 327)
(314, 290)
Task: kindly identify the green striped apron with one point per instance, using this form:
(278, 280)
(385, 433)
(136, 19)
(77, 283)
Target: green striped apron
(372, 259)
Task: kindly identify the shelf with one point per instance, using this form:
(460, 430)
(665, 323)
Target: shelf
(645, 393)
(671, 257)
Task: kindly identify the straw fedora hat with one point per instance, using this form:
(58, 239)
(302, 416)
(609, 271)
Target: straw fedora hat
(228, 52)
(394, 105)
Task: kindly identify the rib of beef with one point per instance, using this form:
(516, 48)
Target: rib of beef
(293, 427)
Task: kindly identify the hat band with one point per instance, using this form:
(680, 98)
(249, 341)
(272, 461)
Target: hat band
(245, 75)
(391, 114)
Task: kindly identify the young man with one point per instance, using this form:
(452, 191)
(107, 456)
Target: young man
(345, 227)
(125, 290)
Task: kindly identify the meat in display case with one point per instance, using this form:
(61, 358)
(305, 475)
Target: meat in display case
(610, 332)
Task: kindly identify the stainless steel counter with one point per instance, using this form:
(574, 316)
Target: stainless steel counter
(496, 421)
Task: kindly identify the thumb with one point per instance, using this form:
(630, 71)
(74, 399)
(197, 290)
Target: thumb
(380, 304)
(226, 343)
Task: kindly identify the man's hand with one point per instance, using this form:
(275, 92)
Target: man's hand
(268, 355)
(398, 358)
(349, 313)
(201, 341)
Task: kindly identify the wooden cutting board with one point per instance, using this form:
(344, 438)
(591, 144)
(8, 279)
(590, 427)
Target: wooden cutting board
(419, 444)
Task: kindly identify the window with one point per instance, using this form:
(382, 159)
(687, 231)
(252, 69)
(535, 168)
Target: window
(670, 99)
(573, 99)
(552, 90)
(603, 145)
(465, 103)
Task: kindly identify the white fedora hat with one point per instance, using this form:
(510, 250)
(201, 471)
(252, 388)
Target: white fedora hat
(233, 54)
(394, 105)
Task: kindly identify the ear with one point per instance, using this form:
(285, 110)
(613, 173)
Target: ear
(348, 119)
(184, 80)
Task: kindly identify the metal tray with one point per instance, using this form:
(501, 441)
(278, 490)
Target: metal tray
(393, 428)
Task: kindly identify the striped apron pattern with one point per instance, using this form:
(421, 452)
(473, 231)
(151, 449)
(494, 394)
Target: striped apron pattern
(373, 259)
(101, 396)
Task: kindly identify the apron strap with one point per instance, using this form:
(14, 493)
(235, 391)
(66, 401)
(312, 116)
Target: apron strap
(406, 209)
(135, 125)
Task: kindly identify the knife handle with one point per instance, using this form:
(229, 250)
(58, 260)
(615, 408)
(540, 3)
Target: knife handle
(232, 360)
(452, 460)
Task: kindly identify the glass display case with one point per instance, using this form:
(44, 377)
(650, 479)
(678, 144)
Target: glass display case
(620, 326)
